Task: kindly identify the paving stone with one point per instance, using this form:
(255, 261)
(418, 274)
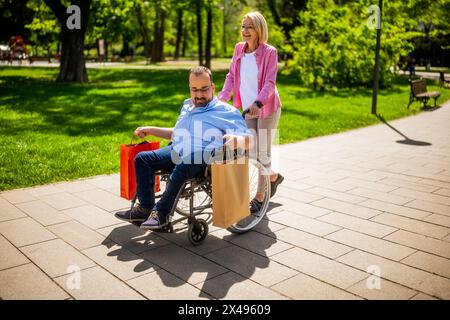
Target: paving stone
(304, 287)
(104, 199)
(303, 209)
(429, 262)
(183, 263)
(324, 269)
(254, 241)
(161, 285)
(427, 244)
(97, 284)
(43, 190)
(412, 225)
(297, 195)
(43, 213)
(395, 209)
(56, 258)
(92, 216)
(63, 200)
(357, 224)
(252, 266)
(25, 231)
(9, 212)
(310, 242)
(27, 282)
(368, 184)
(337, 195)
(408, 185)
(105, 181)
(211, 243)
(438, 219)
(303, 223)
(231, 286)
(119, 261)
(387, 290)
(423, 296)
(358, 211)
(133, 238)
(17, 196)
(371, 244)
(426, 196)
(77, 235)
(397, 272)
(430, 206)
(382, 196)
(10, 256)
(75, 186)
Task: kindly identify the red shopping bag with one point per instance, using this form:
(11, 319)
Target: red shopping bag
(127, 174)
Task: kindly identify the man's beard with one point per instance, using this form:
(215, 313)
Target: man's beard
(201, 102)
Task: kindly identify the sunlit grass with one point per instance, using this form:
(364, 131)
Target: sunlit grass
(52, 131)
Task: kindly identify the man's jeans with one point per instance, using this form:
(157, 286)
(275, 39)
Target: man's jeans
(147, 163)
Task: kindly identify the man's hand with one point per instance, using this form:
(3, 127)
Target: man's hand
(142, 132)
(233, 141)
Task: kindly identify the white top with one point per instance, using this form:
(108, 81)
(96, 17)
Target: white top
(249, 80)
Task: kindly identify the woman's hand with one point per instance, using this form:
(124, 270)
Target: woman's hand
(253, 111)
(142, 132)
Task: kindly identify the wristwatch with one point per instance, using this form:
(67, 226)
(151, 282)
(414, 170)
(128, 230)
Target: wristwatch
(259, 104)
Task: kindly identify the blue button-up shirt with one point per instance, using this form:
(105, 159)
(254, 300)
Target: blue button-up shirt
(201, 129)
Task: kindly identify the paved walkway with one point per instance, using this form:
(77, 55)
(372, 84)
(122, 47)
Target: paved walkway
(357, 205)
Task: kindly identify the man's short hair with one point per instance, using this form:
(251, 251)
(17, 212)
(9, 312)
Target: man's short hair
(199, 70)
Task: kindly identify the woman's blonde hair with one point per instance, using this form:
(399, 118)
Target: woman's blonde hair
(260, 25)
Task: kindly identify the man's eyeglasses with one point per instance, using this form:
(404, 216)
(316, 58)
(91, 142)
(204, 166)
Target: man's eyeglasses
(202, 90)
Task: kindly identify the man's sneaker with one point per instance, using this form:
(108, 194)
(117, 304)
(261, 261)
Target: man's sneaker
(156, 220)
(255, 206)
(274, 185)
(137, 214)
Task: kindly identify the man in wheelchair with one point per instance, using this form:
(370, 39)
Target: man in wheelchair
(204, 125)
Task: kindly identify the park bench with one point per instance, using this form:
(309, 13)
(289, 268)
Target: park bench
(443, 81)
(38, 58)
(419, 92)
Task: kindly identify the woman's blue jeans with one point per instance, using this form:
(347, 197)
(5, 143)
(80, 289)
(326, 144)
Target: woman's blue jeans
(147, 163)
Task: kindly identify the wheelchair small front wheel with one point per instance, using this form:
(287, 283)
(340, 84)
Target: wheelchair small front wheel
(197, 231)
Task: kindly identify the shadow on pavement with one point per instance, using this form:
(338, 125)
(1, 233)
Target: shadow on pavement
(175, 255)
(406, 140)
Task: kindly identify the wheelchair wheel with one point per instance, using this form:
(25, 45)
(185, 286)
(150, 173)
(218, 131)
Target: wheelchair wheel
(202, 200)
(197, 231)
(256, 171)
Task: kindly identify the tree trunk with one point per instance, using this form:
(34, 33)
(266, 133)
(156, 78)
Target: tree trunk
(158, 41)
(143, 28)
(224, 28)
(183, 49)
(199, 31)
(179, 34)
(72, 67)
(208, 36)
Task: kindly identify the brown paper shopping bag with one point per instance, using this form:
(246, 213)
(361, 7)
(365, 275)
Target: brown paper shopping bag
(230, 193)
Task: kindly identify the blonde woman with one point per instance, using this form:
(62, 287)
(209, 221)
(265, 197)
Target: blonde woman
(252, 79)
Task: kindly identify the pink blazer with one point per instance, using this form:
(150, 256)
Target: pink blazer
(267, 62)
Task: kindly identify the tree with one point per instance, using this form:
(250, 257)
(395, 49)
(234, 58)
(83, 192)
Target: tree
(208, 34)
(158, 35)
(72, 66)
(198, 8)
(334, 47)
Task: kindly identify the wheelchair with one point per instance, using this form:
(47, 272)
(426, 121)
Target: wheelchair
(195, 197)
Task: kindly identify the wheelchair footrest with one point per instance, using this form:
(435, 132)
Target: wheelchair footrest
(166, 229)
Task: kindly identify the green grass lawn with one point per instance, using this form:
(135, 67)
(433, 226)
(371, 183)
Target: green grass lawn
(53, 132)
